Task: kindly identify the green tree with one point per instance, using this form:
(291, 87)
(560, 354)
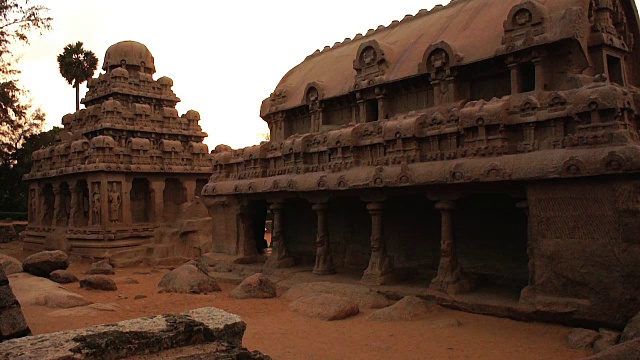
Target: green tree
(77, 65)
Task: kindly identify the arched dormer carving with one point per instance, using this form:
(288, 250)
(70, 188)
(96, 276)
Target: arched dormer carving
(369, 64)
(313, 93)
(438, 59)
(524, 22)
(527, 14)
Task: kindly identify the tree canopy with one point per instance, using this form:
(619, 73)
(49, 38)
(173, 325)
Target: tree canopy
(19, 123)
(77, 65)
(18, 20)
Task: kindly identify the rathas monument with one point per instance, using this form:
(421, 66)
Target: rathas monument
(485, 147)
(124, 165)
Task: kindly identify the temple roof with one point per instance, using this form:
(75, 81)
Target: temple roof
(473, 29)
(132, 52)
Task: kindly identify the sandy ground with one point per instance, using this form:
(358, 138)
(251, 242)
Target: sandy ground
(276, 331)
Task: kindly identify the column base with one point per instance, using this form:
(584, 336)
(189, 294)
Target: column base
(450, 286)
(325, 271)
(274, 263)
(528, 295)
(378, 279)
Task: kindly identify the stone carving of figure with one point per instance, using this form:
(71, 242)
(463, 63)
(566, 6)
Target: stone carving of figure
(96, 208)
(114, 204)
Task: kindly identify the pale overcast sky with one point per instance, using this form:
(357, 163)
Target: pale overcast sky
(224, 57)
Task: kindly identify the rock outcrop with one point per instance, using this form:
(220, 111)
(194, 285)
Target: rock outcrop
(12, 323)
(102, 267)
(63, 277)
(144, 336)
(98, 282)
(255, 286)
(361, 295)
(11, 265)
(188, 278)
(325, 307)
(34, 290)
(43, 263)
(409, 308)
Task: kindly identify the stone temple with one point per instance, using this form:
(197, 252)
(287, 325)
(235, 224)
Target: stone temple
(124, 165)
(485, 147)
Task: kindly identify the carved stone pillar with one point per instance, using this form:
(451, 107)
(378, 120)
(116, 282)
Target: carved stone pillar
(75, 205)
(157, 200)
(513, 67)
(279, 255)
(382, 103)
(537, 63)
(324, 259)
(362, 116)
(126, 201)
(528, 293)
(58, 206)
(380, 268)
(450, 278)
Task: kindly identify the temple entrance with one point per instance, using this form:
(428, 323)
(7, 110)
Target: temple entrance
(258, 212)
(200, 183)
(491, 240)
(412, 231)
(64, 206)
(349, 234)
(173, 195)
(140, 201)
(49, 199)
(300, 228)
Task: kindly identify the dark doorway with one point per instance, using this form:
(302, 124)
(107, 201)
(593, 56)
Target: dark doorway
(140, 201)
(491, 240)
(371, 110)
(527, 77)
(614, 68)
(258, 213)
(200, 183)
(300, 224)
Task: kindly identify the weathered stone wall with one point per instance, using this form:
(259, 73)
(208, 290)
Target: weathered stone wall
(225, 228)
(12, 323)
(585, 246)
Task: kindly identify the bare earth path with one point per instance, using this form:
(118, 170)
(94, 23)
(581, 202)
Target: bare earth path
(283, 334)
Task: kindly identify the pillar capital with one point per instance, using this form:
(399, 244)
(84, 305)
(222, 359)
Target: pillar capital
(523, 204)
(320, 206)
(375, 206)
(445, 205)
(276, 206)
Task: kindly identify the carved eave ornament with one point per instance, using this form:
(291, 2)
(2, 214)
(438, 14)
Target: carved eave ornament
(609, 25)
(313, 94)
(525, 26)
(438, 61)
(370, 65)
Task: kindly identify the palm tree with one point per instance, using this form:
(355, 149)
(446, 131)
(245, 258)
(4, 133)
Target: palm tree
(77, 65)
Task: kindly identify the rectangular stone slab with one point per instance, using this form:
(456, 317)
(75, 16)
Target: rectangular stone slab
(131, 337)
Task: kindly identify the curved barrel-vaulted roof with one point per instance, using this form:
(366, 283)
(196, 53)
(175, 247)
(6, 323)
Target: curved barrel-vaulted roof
(473, 29)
